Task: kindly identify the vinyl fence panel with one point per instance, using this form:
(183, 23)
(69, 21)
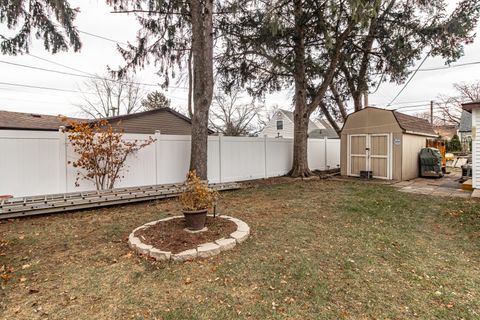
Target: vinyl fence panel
(30, 163)
(37, 163)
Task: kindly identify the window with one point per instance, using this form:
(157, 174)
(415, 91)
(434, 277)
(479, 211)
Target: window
(279, 124)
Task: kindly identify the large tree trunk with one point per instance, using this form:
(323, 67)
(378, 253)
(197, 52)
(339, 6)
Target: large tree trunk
(300, 142)
(301, 114)
(202, 46)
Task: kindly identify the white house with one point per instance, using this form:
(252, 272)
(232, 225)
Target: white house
(474, 109)
(281, 126)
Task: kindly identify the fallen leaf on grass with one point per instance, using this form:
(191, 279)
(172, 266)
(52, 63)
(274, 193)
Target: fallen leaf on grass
(32, 291)
(188, 281)
(23, 279)
(25, 266)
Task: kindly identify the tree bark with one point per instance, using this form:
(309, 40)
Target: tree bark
(339, 101)
(190, 84)
(202, 46)
(330, 119)
(301, 114)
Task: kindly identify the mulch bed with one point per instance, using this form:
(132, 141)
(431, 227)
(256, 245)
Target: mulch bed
(170, 236)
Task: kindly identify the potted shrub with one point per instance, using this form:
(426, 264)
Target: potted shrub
(196, 199)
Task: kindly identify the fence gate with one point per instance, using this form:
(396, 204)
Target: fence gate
(369, 152)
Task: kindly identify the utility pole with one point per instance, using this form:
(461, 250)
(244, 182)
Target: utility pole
(431, 112)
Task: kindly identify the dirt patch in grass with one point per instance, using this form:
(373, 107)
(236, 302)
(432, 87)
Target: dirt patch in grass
(170, 235)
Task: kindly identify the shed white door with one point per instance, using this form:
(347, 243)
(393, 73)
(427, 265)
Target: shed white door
(358, 156)
(370, 152)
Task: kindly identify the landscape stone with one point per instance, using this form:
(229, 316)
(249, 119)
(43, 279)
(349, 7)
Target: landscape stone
(160, 255)
(204, 250)
(239, 236)
(143, 248)
(226, 244)
(133, 242)
(185, 255)
(208, 249)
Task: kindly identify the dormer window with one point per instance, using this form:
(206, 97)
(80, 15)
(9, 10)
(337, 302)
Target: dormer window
(279, 124)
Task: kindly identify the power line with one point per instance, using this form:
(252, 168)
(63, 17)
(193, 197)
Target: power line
(451, 66)
(409, 80)
(35, 101)
(90, 74)
(58, 64)
(43, 88)
(60, 89)
(102, 37)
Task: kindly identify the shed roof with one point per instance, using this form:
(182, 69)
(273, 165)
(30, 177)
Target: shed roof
(31, 121)
(413, 124)
(408, 124)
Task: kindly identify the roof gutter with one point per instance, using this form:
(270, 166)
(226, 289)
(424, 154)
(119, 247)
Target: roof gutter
(421, 134)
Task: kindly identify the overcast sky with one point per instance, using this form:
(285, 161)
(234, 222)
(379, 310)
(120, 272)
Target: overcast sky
(96, 54)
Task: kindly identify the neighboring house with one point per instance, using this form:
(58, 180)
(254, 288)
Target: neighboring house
(281, 126)
(465, 129)
(166, 120)
(446, 131)
(30, 121)
(474, 109)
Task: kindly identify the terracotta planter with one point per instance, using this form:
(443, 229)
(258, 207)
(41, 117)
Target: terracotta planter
(195, 220)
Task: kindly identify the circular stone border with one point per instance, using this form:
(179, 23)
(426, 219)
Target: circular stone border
(203, 250)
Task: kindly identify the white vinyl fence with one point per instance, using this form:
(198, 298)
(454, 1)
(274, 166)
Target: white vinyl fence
(37, 162)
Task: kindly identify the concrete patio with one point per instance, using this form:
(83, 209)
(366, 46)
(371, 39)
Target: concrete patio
(448, 186)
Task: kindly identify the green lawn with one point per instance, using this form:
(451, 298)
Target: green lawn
(318, 250)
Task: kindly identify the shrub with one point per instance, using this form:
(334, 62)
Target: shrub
(197, 195)
(454, 144)
(102, 152)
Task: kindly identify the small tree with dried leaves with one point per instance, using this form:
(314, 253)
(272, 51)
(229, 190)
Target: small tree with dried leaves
(102, 152)
(196, 195)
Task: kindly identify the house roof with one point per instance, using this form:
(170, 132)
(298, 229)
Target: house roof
(156, 119)
(321, 129)
(470, 105)
(30, 121)
(325, 130)
(311, 125)
(413, 124)
(446, 131)
(144, 113)
(465, 122)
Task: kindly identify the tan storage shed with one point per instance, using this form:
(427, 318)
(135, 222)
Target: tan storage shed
(385, 142)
